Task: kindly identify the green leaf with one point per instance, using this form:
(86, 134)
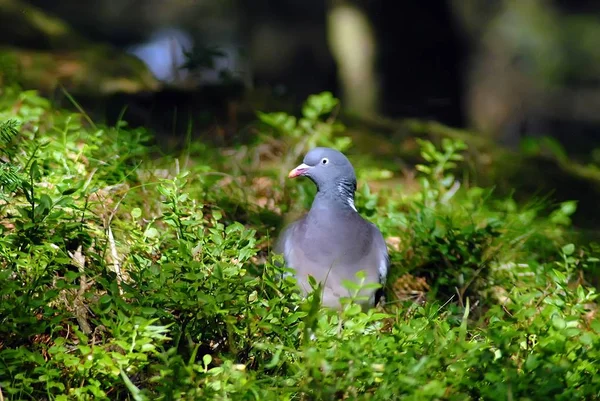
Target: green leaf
(351, 285)
(151, 232)
(136, 393)
(568, 249)
(69, 191)
(275, 360)
(558, 322)
(532, 362)
(34, 171)
(422, 168)
(568, 207)
(146, 310)
(353, 310)
(206, 360)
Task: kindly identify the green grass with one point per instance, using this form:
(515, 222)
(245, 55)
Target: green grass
(129, 277)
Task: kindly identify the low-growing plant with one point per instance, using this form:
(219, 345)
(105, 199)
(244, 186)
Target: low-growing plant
(123, 277)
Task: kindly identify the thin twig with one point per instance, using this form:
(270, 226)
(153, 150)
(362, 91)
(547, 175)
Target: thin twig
(115, 258)
(80, 310)
(89, 179)
(460, 298)
(78, 107)
(451, 192)
(446, 303)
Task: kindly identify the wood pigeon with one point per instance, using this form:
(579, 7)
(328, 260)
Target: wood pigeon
(333, 242)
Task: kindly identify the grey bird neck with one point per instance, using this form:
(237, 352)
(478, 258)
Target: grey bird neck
(338, 196)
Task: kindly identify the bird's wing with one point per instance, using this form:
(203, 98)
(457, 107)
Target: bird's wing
(382, 252)
(284, 244)
(383, 264)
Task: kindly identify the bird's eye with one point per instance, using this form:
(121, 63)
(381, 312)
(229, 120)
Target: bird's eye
(324, 160)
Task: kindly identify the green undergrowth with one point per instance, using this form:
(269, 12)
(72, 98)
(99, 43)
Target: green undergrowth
(126, 277)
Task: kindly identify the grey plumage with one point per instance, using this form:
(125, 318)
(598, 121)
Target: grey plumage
(332, 242)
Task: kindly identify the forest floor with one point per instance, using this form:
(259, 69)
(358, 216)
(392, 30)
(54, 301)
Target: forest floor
(128, 273)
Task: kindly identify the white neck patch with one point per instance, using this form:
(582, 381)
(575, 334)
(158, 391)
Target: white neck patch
(351, 203)
(347, 197)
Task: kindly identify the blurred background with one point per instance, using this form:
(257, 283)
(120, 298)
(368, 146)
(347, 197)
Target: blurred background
(520, 79)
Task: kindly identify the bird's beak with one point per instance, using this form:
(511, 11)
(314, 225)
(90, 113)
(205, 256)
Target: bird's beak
(300, 170)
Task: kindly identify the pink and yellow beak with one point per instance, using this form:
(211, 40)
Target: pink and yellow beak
(298, 171)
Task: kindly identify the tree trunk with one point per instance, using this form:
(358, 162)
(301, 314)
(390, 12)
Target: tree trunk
(353, 44)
